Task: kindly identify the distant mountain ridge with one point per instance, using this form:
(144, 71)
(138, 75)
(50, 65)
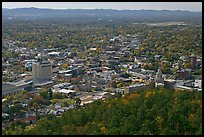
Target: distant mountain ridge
(134, 15)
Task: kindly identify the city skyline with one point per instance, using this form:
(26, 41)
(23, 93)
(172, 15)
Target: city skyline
(187, 6)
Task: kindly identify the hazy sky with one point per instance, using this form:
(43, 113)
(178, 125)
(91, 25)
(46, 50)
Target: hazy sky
(191, 6)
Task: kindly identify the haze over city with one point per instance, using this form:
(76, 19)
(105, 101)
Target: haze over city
(189, 6)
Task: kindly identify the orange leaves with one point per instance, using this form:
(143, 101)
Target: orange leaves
(148, 94)
(199, 102)
(132, 96)
(191, 116)
(125, 101)
(29, 128)
(104, 129)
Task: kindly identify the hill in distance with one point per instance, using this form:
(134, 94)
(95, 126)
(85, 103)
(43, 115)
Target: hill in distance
(104, 14)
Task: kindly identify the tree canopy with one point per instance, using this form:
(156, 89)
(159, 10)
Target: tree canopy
(157, 112)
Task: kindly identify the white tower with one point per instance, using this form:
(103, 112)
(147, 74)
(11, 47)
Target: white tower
(159, 77)
(159, 81)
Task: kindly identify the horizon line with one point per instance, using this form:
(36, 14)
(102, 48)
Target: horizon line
(97, 9)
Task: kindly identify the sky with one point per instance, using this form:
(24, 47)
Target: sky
(190, 6)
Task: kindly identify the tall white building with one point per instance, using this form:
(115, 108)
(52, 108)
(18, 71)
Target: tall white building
(42, 70)
(159, 77)
(159, 81)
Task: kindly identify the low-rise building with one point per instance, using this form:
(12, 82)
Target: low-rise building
(183, 74)
(135, 88)
(198, 84)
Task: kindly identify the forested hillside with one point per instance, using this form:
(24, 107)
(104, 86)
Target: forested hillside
(158, 112)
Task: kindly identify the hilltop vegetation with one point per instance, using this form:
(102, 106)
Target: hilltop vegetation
(158, 112)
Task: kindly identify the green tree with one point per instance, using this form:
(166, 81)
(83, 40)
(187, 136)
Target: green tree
(50, 93)
(44, 93)
(57, 95)
(77, 101)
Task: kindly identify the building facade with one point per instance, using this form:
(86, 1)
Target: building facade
(42, 70)
(159, 81)
(192, 60)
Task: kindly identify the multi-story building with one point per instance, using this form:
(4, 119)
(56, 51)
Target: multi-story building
(42, 70)
(159, 81)
(192, 60)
